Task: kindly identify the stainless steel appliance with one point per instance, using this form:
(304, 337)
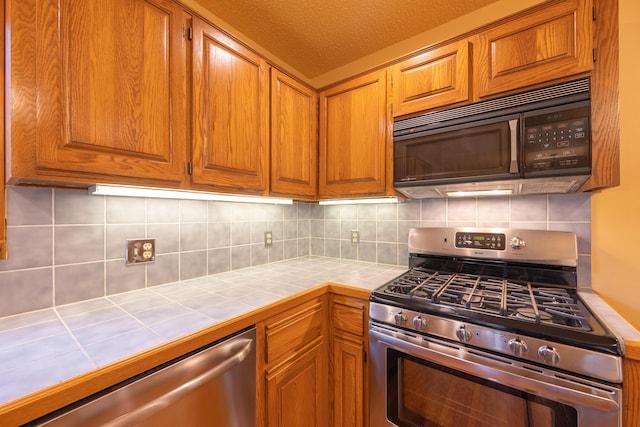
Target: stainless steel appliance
(533, 142)
(487, 328)
(214, 386)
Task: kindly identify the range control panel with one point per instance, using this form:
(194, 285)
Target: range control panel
(558, 139)
(495, 241)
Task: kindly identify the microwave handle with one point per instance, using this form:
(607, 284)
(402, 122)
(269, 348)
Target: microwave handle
(513, 128)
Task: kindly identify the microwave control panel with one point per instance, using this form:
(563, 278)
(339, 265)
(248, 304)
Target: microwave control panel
(556, 140)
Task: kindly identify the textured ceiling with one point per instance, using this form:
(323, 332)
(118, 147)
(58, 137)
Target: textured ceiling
(316, 36)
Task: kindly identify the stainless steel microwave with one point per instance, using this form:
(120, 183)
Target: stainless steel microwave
(528, 143)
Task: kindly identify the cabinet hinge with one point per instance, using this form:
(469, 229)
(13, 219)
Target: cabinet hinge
(364, 356)
(593, 13)
(595, 54)
(187, 32)
(190, 168)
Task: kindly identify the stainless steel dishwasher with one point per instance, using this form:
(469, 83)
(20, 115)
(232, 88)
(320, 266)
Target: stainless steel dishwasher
(212, 386)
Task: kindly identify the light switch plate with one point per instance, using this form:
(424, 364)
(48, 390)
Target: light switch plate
(140, 251)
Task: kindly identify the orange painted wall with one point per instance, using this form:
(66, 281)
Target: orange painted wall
(615, 212)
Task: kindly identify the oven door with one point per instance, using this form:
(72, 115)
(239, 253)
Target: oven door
(419, 381)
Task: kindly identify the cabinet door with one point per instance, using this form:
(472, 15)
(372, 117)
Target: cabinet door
(297, 392)
(355, 149)
(3, 224)
(348, 383)
(551, 43)
(98, 90)
(348, 373)
(294, 137)
(230, 113)
(432, 79)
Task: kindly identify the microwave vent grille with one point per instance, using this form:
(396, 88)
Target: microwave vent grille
(517, 103)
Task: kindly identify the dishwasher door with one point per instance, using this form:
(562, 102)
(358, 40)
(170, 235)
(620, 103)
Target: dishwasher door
(213, 386)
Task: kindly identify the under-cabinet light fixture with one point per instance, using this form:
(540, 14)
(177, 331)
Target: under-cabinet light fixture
(359, 201)
(480, 193)
(160, 193)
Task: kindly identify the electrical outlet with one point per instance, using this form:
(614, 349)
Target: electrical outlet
(355, 237)
(268, 238)
(140, 251)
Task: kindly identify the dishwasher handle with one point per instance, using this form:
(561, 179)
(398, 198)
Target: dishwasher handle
(238, 350)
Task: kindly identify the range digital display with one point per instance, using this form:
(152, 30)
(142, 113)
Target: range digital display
(494, 241)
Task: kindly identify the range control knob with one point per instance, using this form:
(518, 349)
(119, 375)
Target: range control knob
(463, 334)
(400, 318)
(420, 323)
(518, 347)
(517, 243)
(548, 355)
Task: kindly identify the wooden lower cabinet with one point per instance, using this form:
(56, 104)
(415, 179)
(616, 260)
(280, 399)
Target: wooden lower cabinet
(631, 386)
(297, 391)
(311, 364)
(347, 368)
(293, 366)
(347, 373)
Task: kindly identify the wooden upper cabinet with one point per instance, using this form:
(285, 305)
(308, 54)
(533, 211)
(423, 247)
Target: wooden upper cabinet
(97, 91)
(550, 43)
(294, 137)
(230, 113)
(432, 79)
(355, 138)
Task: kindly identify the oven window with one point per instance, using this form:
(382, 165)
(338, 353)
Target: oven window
(422, 394)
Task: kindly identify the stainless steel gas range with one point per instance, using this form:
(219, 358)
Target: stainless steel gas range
(487, 328)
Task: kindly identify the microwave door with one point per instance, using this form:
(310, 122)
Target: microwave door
(482, 151)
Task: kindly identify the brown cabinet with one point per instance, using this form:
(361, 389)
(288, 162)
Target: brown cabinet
(355, 140)
(433, 79)
(97, 91)
(230, 113)
(294, 137)
(551, 42)
(295, 366)
(348, 373)
(631, 389)
(3, 224)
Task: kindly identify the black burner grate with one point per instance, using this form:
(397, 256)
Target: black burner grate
(519, 300)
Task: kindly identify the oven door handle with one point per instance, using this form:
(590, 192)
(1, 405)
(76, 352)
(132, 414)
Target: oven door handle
(459, 358)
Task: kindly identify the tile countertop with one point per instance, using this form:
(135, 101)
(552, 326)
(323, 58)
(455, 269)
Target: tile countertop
(45, 347)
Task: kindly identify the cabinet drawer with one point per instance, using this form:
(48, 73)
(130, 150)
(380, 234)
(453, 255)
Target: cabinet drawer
(348, 316)
(290, 331)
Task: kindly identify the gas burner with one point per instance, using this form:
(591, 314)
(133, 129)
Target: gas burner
(490, 295)
(473, 299)
(530, 314)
